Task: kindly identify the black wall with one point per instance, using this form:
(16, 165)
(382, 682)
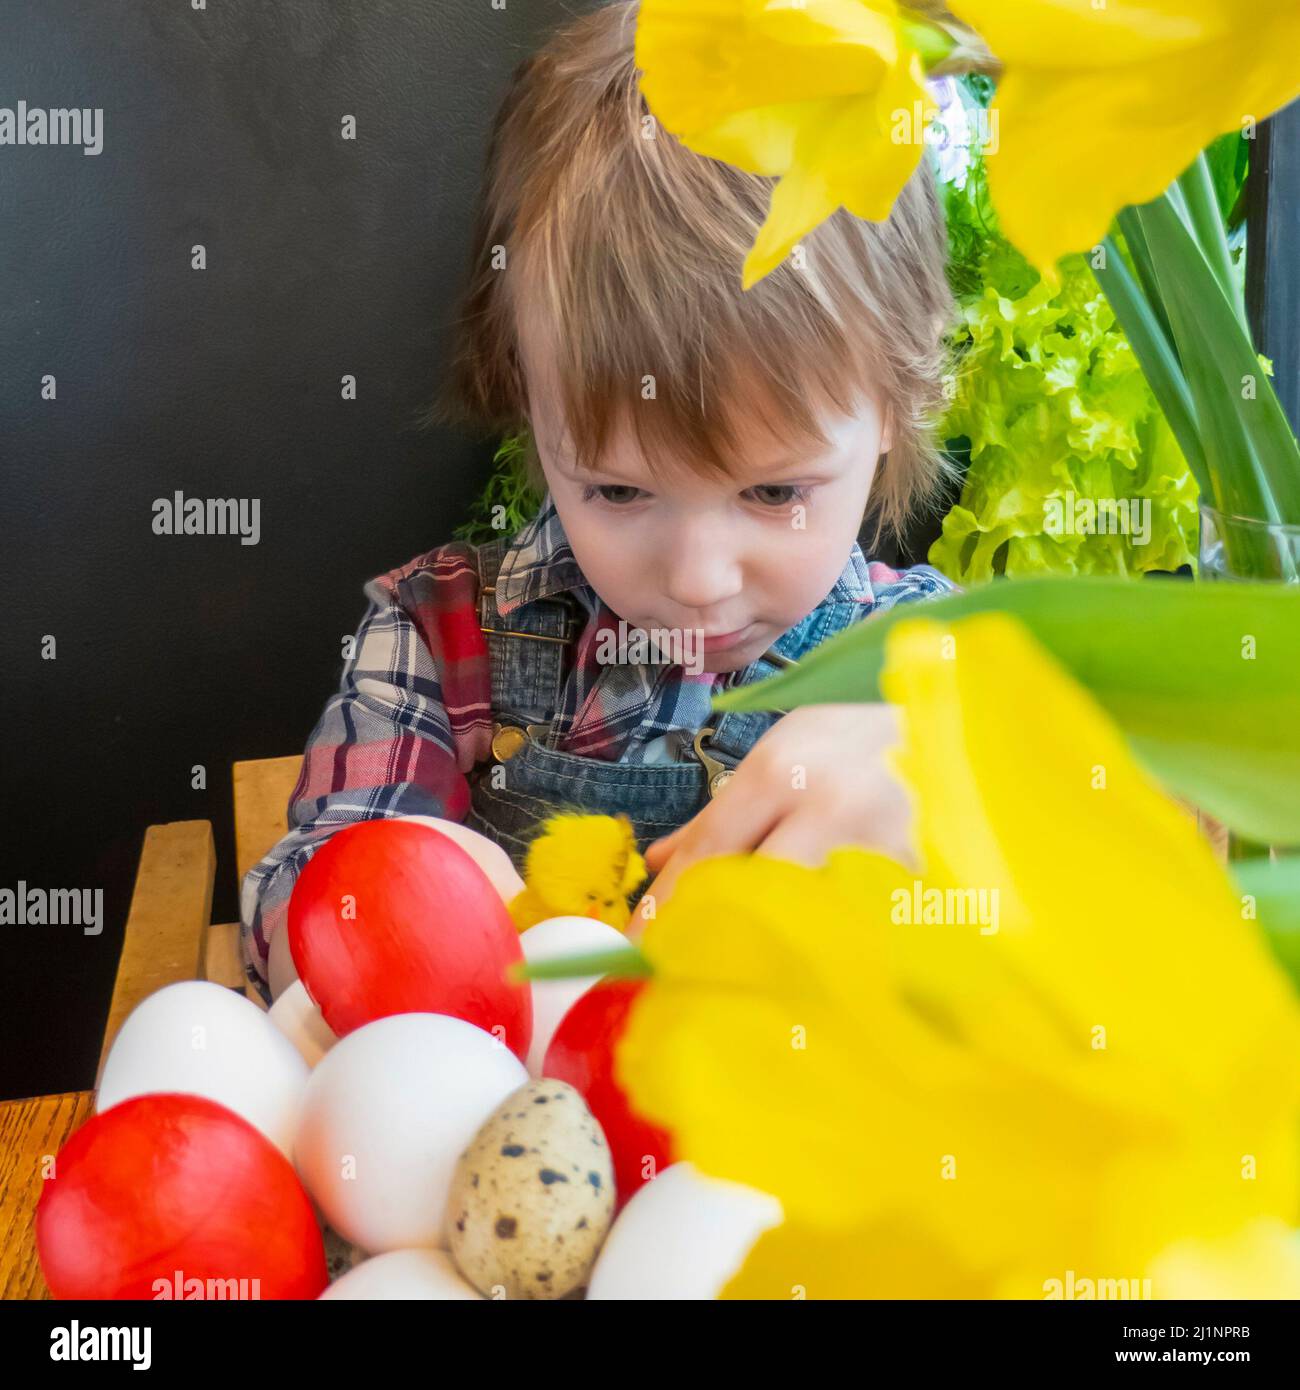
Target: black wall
(325, 257)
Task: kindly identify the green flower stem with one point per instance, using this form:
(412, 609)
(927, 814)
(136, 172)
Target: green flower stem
(1160, 364)
(929, 40)
(1207, 224)
(1251, 438)
(627, 963)
(1135, 239)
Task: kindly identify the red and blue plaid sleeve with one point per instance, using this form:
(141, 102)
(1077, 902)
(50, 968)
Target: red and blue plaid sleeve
(891, 587)
(412, 715)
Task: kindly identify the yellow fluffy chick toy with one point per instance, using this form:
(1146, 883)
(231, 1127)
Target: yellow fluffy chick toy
(580, 866)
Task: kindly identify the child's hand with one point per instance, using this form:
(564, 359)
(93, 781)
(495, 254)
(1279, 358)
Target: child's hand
(816, 780)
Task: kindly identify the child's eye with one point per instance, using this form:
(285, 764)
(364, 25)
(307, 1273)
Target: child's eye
(778, 494)
(616, 494)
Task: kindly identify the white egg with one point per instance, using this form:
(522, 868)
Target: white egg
(487, 854)
(386, 1114)
(203, 1039)
(682, 1236)
(295, 1014)
(403, 1274)
(552, 999)
(281, 972)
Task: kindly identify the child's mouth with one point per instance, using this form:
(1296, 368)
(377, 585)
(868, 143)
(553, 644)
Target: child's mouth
(726, 641)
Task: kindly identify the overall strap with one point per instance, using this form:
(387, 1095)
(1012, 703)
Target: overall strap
(736, 731)
(529, 649)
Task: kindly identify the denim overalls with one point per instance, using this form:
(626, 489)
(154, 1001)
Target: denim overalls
(533, 780)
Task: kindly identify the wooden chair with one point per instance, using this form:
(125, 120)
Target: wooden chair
(170, 935)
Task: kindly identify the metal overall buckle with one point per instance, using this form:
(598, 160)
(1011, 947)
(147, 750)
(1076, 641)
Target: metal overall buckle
(508, 739)
(718, 773)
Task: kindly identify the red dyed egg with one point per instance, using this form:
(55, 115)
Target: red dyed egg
(582, 1053)
(176, 1188)
(392, 917)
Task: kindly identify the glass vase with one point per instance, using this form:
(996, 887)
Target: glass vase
(1238, 547)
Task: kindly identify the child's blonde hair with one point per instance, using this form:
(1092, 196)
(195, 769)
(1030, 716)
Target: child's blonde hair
(625, 248)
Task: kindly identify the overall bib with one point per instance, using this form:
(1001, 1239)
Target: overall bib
(528, 780)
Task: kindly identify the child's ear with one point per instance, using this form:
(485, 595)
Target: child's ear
(887, 432)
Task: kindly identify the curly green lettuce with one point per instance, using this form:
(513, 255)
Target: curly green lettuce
(1073, 469)
(1059, 416)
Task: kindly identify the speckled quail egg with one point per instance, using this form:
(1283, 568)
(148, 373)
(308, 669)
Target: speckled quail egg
(532, 1197)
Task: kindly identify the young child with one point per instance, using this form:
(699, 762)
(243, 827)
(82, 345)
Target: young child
(708, 456)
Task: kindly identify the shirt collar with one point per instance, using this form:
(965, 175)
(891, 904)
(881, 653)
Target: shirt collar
(539, 563)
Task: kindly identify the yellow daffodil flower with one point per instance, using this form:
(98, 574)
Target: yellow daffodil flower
(1099, 107)
(810, 91)
(1104, 106)
(1055, 1059)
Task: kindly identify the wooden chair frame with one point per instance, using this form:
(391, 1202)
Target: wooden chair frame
(170, 935)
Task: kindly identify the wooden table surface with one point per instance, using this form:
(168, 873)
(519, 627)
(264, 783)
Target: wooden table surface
(31, 1133)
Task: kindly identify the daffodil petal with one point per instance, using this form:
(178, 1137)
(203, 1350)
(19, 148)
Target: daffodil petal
(810, 93)
(870, 147)
(847, 157)
(1260, 1261)
(783, 1013)
(1118, 104)
(883, 1260)
(1038, 798)
(702, 63)
(902, 91)
(745, 1011)
(1082, 34)
(800, 201)
(761, 140)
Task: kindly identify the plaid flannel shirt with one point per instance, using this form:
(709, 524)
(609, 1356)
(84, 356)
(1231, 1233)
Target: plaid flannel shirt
(412, 715)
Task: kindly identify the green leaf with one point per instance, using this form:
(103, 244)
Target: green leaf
(508, 501)
(1275, 888)
(1229, 161)
(1136, 242)
(1160, 364)
(1218, 356)
(1207, 222)
(1204, 679)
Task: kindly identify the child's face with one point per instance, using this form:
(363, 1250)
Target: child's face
(737, 560)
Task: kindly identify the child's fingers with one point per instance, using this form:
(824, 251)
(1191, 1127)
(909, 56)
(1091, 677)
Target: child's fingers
(800, 839)
(735, 822)
(807, 838)
(657, 893)
(732, 823)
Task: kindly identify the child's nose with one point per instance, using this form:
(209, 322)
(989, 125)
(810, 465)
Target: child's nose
(702, 580)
